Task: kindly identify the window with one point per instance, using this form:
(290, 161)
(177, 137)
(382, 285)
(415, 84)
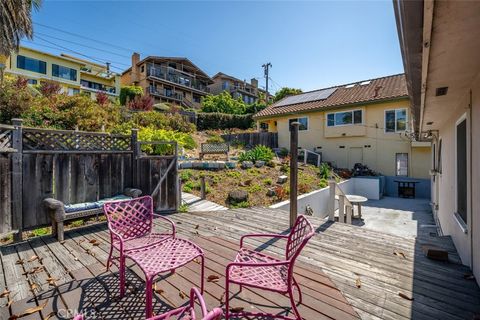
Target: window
(396, 120)
(73, 91)
(344, 118)
(225, 85)
(303, 123)
(64, 72)
(197, 98)
(401, 164)
(31, 64)
(264, 126)
(461, 170)
(32, 81)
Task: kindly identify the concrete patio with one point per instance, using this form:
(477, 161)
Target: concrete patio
(398, 216)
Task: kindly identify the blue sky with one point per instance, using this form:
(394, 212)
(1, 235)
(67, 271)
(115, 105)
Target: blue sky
(311, 44)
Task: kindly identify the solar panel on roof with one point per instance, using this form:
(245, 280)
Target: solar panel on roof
(306, 97)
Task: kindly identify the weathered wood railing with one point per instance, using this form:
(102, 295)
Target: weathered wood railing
(74, 167)
(317, 156)
(345, 207)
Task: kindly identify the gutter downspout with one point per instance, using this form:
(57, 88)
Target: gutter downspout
(470, 144)
(427, 36)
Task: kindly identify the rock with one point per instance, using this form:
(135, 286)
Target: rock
(237, 196)
(271, 192)
(247, 164)
(259, 163)
(282, 179)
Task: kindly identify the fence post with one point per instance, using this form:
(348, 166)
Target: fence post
(134, 141)
(293, 171)
(202, 188)
(331, 201)
(17, 179)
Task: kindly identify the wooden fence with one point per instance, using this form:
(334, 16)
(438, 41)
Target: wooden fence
(269, 139)
(74, 167)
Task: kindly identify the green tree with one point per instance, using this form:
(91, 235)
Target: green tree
(285, 92)
(16, 23)
(128, 93)
(223, 103)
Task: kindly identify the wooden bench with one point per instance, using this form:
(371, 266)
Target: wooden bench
(214, 148)
(59, 212)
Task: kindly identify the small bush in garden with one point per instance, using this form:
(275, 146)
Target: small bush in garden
(323, 183)
(325, 171)
(280, 192)
(303, 187)
(188, 186)
(243, 204)
(267, 182)
(260, 152)
(233, 174)
(149, 134)
(183, 208)
(254, 188)
(186, 174)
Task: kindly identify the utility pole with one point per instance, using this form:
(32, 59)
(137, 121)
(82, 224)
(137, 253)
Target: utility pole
(265, 67)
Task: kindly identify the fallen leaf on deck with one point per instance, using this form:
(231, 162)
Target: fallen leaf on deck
(34, 286)
(399, 254)
(20, 261)
(197, 226)
(76, 259)
(404, 296)
(196, 260)
(29, 311)
(222, 297)
(159, 291)
(51, 314)
(358, 283)
(469, 276)
(4, 293)
(62, 242)
(213, 278)
(96, 244)
(32, 258)
(182, 294)
(236, 309)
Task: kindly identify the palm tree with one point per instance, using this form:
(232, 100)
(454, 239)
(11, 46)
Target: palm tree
(15, 23)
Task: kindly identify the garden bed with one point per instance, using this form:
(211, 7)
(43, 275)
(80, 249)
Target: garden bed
(255, 181)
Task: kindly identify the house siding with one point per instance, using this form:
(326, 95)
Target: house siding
(342, 145)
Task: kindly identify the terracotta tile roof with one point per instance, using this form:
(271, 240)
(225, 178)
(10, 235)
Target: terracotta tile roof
(384, 88)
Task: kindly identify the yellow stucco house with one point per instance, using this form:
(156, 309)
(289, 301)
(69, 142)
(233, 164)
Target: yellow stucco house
(366, 122)
(75, 75)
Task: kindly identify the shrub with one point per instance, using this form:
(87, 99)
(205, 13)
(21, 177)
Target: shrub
(233, 174)
(325, 171)
(267, 181)
(102, 98)
(185, 174)
(243, 204)
(49, 88)
(260, 152)
(223, 103)
(15, 98)
(141, 103)
(183, 208)
(209, 121)
(150, 134)
(128, 93)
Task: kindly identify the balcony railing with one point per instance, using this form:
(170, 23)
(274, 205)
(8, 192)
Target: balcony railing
(177, 77)
(166, 93)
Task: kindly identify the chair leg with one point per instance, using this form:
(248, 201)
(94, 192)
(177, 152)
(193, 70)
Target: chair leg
(148, 297)
(293, 304)
(299, 291)
(109, 260)
(202, 274)
(227, 297)
(122, 275)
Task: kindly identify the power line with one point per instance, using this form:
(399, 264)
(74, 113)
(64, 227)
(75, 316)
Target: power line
(83, 45)
(78, 53)
(84, 37)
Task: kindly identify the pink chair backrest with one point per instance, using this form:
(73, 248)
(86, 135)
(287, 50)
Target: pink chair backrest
(301, 232)
(130, 218)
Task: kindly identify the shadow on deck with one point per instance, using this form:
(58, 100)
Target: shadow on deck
(345, 272)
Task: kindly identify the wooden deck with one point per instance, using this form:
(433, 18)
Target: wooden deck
(346, 272)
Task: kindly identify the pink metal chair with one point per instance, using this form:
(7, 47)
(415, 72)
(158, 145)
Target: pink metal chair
(187, 312)
(130, 223)
(258, 270)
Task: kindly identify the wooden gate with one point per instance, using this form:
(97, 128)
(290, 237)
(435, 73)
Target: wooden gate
(158, 174)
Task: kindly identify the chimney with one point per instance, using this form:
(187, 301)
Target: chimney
(254, 82)
(135, 77)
